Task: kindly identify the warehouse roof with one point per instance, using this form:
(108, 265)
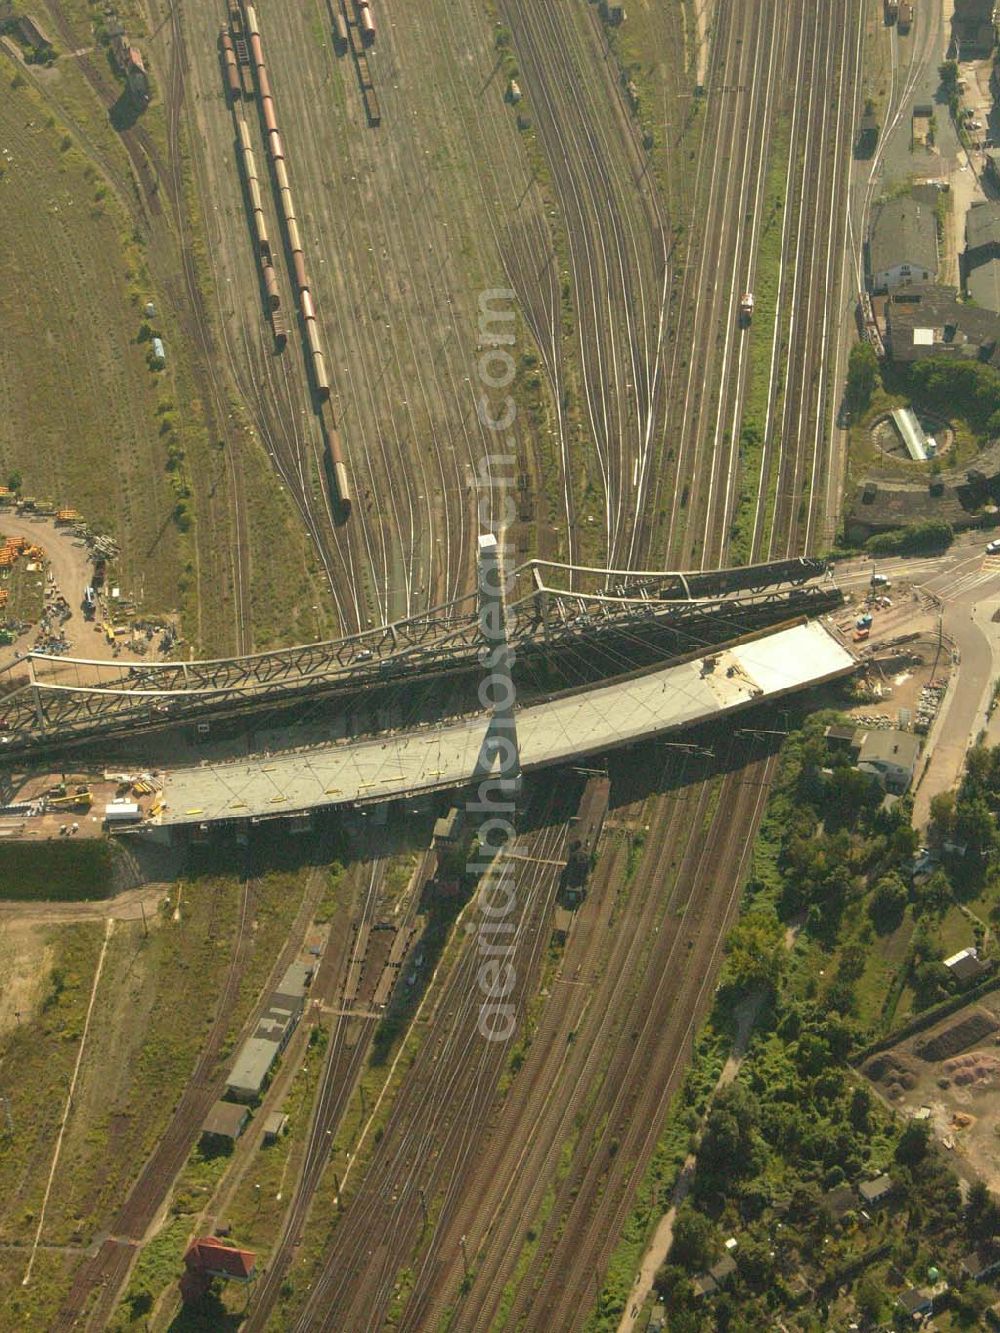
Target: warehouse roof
(453, 754)
(252, 1065)
(296, 980)
(982, 224)
(957, 329)
(903, 231)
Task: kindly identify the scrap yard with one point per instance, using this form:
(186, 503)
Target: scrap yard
(451, 506)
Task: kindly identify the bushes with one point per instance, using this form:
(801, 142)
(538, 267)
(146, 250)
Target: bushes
(968, 386)
(61, 870)
(915, 539)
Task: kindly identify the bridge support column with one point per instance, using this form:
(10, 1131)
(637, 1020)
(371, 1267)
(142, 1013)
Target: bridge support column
(496, 689)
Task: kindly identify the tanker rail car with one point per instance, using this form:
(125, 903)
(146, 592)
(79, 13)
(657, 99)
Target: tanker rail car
(315, 351)
(227, 54)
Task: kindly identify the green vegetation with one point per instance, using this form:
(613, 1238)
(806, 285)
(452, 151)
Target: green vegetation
(958, 387)
(926, 538)
(59, 869)
(755, 415)
(799, 1121)
(862, 376)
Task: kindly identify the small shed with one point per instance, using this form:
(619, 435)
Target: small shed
(981, 1264)
(225, 1122)
(448, 828)
(561, 925)
(965, 965)
(274, 1126)
(874, 1193)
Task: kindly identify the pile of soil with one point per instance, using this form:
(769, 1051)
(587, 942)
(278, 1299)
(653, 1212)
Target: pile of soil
(976, 1067)
(971, 1028)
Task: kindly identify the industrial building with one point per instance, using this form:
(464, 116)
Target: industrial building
(902, 243)
(929, 320)
(258, 1054)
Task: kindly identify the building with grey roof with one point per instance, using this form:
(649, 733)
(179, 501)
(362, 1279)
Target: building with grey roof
(981, 259)
(983, 284)
(982, 229)
(877, 1191)
(902, 243)
(891, 756)
(226, 1121)
(928, 320)
(296, 980)
(252, 1069)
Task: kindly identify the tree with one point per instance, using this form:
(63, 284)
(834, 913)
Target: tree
(888, 903)
(982, 1215)
(693, 1239)
(14, 480)
(862, 374)
(942, 815)
(870, 1298)
(912, 1146)
(756, 951)
(948, 74)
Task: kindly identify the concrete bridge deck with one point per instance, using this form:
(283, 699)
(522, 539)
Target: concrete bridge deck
(566, 728)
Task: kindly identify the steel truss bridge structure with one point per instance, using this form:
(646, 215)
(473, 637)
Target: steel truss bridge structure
(53, 700)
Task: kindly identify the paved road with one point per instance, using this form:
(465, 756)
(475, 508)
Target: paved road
(965, 586)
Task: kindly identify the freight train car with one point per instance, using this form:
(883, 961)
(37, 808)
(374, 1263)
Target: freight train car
(367, 26)
(271, 285)
(231, 69)
(339, 34)
(336, 467)
(584, 830)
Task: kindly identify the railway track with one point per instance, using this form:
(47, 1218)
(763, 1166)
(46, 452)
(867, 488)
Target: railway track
(106, 1271)
(521, 1155)
(345, 1055)
(616, 239)
(433, 1123)
(807, 387)
(598, 1199)
(206, 360)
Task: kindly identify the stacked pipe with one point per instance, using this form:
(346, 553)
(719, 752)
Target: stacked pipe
(231, 67)
(276, 150)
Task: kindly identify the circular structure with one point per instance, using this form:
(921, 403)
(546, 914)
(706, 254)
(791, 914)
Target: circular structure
(886, 436)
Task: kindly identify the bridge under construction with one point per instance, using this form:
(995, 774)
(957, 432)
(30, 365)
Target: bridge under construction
(52, 702)
(568, 727)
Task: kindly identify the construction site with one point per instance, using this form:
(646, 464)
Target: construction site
(444, 430)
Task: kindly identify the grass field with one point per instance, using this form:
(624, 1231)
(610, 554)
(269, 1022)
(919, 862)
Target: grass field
(55, 870)
(77, 398)
(155, 1002)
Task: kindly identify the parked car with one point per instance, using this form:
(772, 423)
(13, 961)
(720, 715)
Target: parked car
(993, 547)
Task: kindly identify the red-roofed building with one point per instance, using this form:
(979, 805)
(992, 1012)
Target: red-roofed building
(209, 1258)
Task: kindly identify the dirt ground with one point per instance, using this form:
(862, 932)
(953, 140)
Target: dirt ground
(25, 962)
(950, 1075)
(907, 677)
